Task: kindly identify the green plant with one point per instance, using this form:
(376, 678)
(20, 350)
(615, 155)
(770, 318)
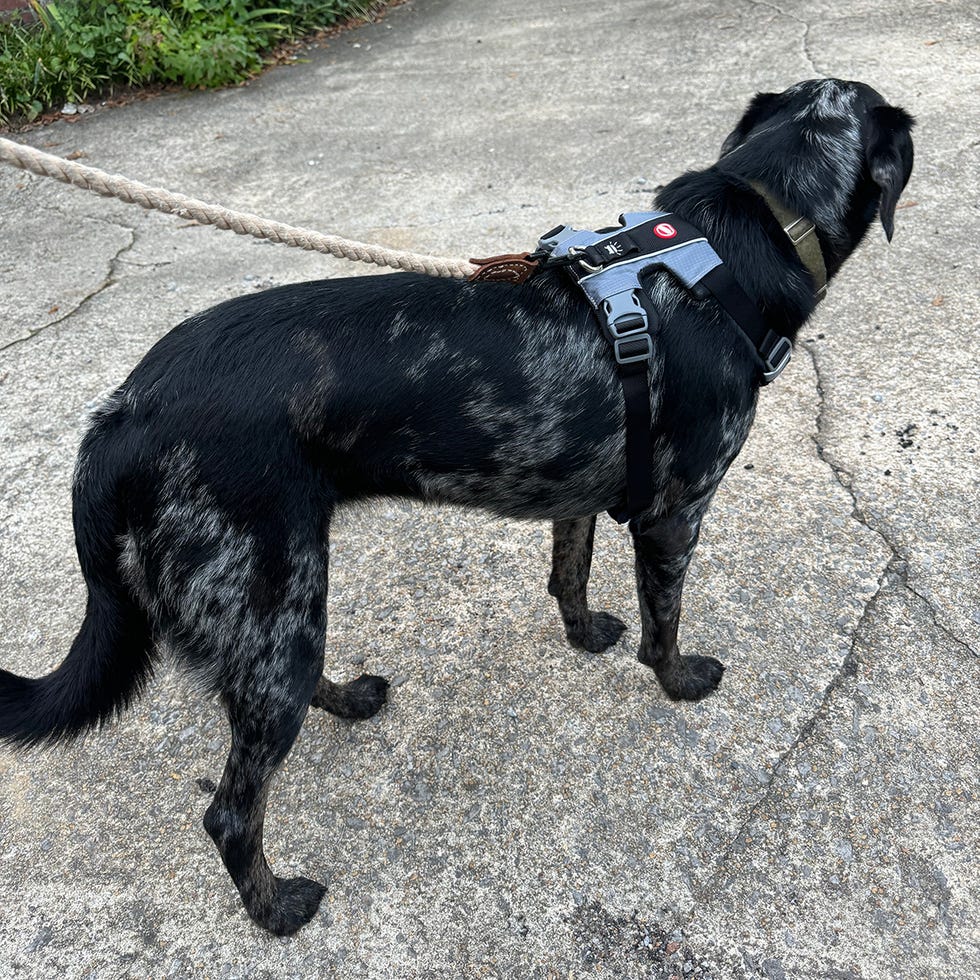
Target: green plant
(78, 47)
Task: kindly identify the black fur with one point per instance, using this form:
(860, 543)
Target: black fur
(205, 488)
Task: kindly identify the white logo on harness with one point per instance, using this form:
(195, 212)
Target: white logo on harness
(613, 249)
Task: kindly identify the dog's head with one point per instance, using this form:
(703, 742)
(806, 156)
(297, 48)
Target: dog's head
(835, 151)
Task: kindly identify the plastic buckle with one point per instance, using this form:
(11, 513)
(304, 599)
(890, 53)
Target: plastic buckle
(777, 360)
(627, 325)
(549, 241)
(639, 355)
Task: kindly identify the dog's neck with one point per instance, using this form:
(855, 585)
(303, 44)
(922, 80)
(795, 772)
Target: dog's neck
(743, 230)
(802, 232)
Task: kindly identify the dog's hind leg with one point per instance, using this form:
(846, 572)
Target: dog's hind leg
(266, 706)
(266, 671)
(663, 550)
(570, 565)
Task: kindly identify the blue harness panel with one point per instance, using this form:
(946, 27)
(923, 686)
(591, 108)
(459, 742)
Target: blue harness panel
(609, 271)
(689, 261)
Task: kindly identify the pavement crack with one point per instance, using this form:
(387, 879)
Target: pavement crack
(804, 39)
(109, 280)
(894, 575)
(942, 627)
(846, 481)
(842, 475)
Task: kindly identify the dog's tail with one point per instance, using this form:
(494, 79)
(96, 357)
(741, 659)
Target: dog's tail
(110, 660)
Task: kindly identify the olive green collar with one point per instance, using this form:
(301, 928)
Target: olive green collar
(803, 234)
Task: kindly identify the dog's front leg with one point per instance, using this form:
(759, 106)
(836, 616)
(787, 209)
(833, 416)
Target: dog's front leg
(570, 565)
(664, 547)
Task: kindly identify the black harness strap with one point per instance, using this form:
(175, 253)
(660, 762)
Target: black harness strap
(630, 329)
(773, 349)
(635, 378)
(639, 440)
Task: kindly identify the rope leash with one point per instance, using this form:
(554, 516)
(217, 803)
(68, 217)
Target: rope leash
(155, 198)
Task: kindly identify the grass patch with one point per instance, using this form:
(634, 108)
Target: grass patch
(77, 47)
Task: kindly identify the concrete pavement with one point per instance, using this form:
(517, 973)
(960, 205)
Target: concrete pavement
(522, 810)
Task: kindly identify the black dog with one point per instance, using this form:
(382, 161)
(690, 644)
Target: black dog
(205, 488)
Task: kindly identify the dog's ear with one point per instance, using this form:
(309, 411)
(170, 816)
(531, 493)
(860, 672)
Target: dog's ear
(889, 156)
(762, 106)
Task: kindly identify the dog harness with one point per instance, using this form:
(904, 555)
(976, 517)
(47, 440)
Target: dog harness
(609, 265)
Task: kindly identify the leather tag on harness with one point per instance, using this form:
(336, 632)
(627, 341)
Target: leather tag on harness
(514, 268)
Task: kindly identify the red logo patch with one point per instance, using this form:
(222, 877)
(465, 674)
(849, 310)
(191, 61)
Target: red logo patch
(664, 230)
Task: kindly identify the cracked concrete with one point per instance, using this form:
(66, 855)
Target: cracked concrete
(894, 572)
(878, 842)
(521, 810)
(77, 304)
(804, 37)
(32, 305)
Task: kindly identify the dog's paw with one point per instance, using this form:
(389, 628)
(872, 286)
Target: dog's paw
(295, 902)
(689, 678)
(602, 632)
(366, 696)
(360, 698)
